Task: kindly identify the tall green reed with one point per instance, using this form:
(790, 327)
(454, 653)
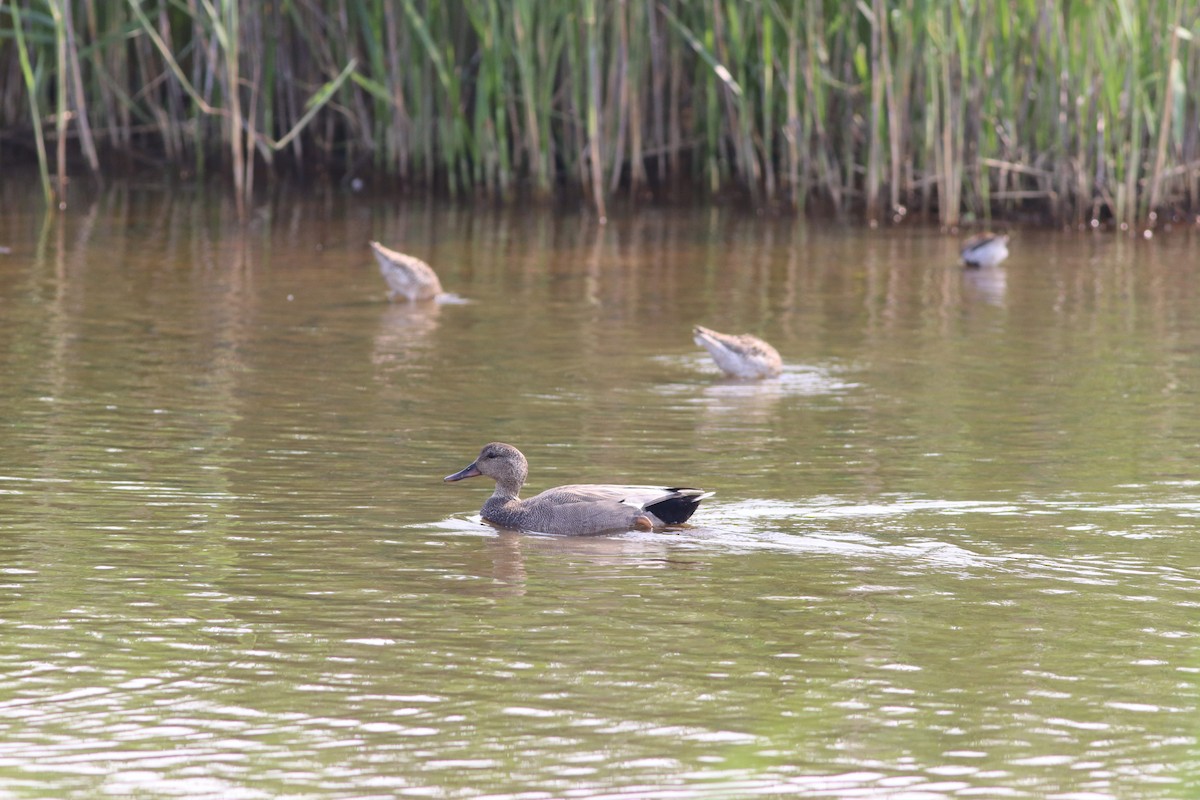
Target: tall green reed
(31, 85)
(886, 108)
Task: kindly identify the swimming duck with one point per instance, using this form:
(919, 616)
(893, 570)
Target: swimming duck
(985, 249)
(743, 356)
(578, 509)
(406, 275)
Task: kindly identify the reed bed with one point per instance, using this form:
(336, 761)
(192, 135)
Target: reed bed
(1078, 112)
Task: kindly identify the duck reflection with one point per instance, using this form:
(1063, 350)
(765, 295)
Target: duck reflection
(510, 552)
(750, 409)
(986, 284)
(737, 403)
(404, 331)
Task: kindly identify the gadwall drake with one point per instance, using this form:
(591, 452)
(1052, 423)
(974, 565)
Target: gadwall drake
(743, 356)
(985, 249)
(579, 509)
(406, 276)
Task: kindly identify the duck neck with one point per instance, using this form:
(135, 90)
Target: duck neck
(506, 491)
(502, 507)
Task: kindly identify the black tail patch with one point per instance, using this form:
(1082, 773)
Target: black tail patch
(676, 509)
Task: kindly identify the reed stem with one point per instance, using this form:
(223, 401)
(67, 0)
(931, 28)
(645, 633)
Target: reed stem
(33, 95)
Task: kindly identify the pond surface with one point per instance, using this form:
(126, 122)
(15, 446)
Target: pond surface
(952, 550)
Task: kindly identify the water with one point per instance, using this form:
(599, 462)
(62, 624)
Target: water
(951, 552)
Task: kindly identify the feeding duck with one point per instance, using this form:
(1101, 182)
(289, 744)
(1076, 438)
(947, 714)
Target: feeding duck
(578, 509)
(985, 249)
(406, 275)
(743, 356)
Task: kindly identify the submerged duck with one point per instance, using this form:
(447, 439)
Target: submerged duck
(578, 509)
(406, 276)
(743, 356)
(985, 249)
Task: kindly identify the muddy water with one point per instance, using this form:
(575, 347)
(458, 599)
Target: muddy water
(951, 553)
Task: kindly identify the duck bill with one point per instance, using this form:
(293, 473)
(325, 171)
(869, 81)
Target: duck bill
(470, 472)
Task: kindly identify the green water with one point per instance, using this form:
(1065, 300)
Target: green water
(951, 551)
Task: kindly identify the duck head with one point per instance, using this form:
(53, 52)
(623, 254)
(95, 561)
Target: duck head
(501, 462)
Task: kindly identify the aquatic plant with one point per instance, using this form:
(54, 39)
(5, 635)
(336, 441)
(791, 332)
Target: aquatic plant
(1075, 111)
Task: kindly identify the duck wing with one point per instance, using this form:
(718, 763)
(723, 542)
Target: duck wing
(743, 355)
(600, 506)
(985, 249)
(406, 275)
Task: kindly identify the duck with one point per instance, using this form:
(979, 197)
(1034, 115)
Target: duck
(985, 249)
(579, 509)
(739, 356)
(406, 275)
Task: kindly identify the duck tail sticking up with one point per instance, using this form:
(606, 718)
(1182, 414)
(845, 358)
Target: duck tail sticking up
(677, 507)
